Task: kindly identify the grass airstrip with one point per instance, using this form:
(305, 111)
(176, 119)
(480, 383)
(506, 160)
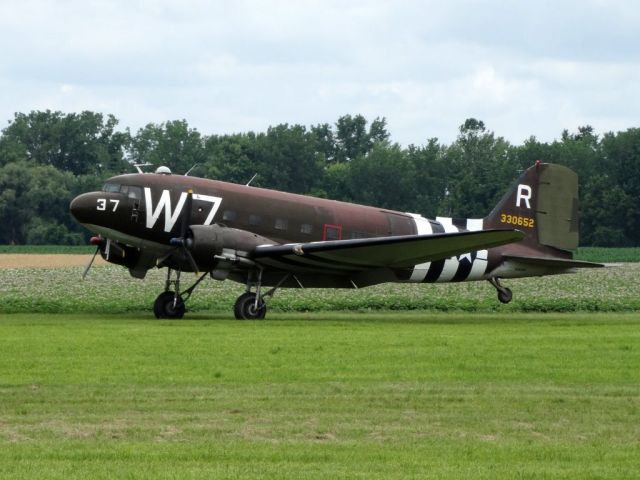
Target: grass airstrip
(396, 393)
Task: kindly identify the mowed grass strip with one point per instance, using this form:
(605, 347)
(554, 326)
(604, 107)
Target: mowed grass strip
(393, 395)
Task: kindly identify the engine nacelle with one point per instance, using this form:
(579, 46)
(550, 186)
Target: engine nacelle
(206, 242)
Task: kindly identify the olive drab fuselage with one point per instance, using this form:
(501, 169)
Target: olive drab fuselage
(232, 230)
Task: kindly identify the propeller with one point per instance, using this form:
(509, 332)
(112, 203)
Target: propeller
(98, 241)
(181, 241)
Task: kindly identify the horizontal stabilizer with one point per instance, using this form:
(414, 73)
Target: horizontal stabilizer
(553, 262)
(396, 252)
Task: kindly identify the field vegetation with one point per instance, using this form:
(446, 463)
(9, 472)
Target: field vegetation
(47, 249)
(608, 255)
(110, 289)
(589, 254)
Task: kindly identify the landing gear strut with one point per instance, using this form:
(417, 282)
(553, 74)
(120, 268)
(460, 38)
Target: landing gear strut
(251, 305)
(171, 303)
(504, 293)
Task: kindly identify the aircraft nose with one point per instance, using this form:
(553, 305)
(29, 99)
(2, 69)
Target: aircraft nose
(81, 207)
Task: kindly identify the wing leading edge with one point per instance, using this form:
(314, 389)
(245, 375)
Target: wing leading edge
(394, 252)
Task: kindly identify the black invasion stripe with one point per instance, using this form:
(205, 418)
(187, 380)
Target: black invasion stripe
(461, 223)
(435, 270)
(436, 227)
(464, 268)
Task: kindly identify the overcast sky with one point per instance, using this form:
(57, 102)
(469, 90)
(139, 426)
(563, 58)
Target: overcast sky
(523, 67)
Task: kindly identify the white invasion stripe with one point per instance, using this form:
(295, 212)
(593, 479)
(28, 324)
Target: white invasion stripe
(479, 266)
(451, 264)
(475, 224)
(423, 227)
(447, 222)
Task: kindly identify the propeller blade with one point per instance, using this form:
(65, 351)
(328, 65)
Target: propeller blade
(180, 243)
(192, 261)
(88, 267)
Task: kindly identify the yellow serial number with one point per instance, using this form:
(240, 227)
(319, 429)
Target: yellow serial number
(517, 220)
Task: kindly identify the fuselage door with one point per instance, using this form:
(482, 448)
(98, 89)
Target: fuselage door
(134, 199)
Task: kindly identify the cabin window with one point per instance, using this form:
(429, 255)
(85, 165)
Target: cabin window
(332, 232)
(359, 235)
(255, 220)
(306, 228)
(111, 187)
(132, 192)
(229, 216)
(281, 224)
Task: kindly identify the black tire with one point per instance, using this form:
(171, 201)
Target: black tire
(244, 308)
(505, 295)
(163, 307)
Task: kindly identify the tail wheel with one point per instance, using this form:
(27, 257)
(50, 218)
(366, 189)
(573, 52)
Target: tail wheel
(505, 295)
(167, 306)
(245, 307)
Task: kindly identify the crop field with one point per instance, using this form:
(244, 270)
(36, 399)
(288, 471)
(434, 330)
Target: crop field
(396, 381)
(110, 289)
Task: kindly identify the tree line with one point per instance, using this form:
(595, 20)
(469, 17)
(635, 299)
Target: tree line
(47, 158)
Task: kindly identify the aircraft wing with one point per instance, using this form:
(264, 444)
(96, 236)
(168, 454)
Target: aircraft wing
(396, 252)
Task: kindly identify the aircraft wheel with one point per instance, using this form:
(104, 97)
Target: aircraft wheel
(505, 295)
(245, 308)
(163, 307)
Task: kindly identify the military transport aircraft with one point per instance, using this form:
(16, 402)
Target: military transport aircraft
(265, 238)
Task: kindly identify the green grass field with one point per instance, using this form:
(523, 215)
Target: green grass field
(385, 395)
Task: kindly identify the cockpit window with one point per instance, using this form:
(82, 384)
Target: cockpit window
(129, 190)
(111, 187)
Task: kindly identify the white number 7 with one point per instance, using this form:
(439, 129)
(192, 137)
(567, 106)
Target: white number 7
(215, 201)
(102, 204)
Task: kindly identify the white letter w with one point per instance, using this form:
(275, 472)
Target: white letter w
(170, 217)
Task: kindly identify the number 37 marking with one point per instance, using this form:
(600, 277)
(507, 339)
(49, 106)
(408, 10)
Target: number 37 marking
(102, 204)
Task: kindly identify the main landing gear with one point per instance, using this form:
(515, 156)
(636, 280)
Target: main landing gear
(171, 303)
(251, 305)
(504, 293)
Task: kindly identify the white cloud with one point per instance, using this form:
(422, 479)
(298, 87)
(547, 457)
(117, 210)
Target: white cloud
(523, 68)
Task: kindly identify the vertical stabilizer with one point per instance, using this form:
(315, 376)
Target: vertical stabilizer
(543, 203)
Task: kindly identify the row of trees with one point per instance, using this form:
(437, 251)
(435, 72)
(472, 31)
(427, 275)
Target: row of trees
(46, 158)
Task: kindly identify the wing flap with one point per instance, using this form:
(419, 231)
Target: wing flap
(394, 252)
(553, 262)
